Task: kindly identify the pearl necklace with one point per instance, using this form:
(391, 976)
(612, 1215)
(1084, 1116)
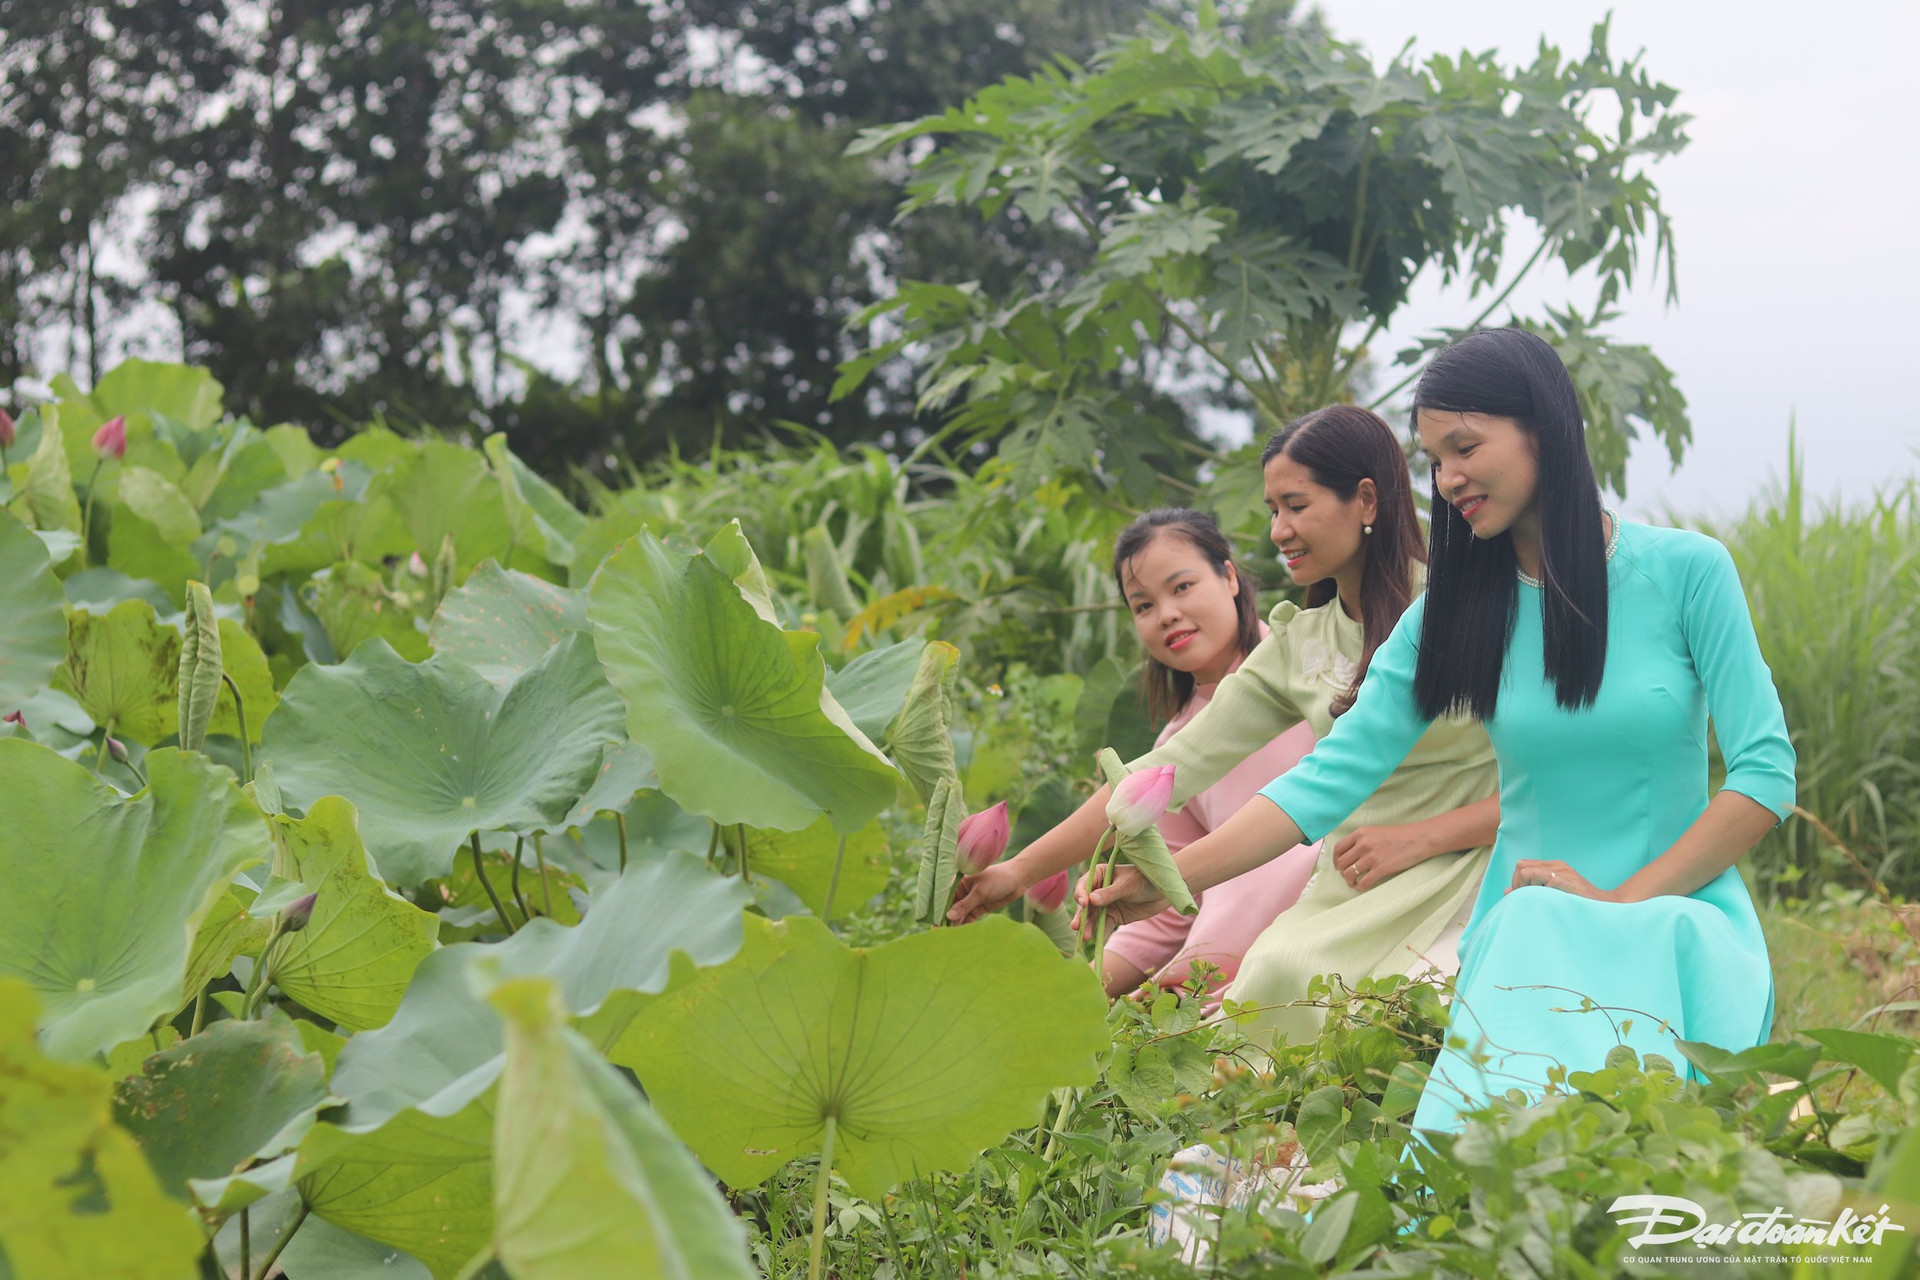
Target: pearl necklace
(1613, 540)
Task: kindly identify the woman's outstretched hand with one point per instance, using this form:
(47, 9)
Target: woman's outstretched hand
(1131, 896)
(989, 890)
(1558, 875)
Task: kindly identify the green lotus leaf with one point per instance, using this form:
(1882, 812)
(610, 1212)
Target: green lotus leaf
(43, 496)
(442, 1033)
(933, 883)
(539, 514)
(733, 710)
(226, 932)
(587, 1180)
(139, 388)
(500, 622)
(322, 1251)
(105, 942)
(33, 620)
(199, 681)
(733, 555)
(625, 768)
(76, 1195)
(354, 604)
(123, 668)
(873, 687)
(1147, 848)
(159, 502)
(431, 752)
(815, 866)
(348, 521)
(208, 1104)
(445, 491)
(912, 1049)
(922, 741)
(421, 1181)
(352, 962)
(136, 548)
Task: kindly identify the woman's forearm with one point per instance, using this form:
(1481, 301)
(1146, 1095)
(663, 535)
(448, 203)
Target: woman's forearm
(1468, 827)
(1070, 841)
(1260, 832)
(1731, 825)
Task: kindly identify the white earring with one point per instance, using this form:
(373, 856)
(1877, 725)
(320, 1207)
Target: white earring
(1366, 528)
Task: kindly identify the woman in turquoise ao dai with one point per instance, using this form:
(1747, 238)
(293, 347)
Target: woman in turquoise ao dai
(1613, 876)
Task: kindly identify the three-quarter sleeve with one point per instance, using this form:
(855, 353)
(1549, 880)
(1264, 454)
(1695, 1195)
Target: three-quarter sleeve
(1250, 708)
(1367, 743)
(1741, 699)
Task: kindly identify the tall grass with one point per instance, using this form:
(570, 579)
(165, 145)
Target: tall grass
(1835, 591)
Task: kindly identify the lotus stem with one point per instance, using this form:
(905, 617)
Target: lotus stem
(740, 835)
(519, 900)
(820, 1203)
(246, 1244)
(546, 890)
(833, 885)
(100, 758)
(273, 1256)
(480, 870)
(620, 825)
(713, 841)
(200, 1003)
(1100, 931)
(240, 713)
(86, 519)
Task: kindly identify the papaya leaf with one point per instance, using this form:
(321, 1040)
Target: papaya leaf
(588, 1181)
(105, 943)
(733, 710)
(911, 1048)
(33, 621)
(79, 1198)
(430, 752)
(352, 962)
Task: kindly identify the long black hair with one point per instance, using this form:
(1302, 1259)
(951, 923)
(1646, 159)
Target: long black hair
(1165, 688)
(1340, 446)
(1473, 589)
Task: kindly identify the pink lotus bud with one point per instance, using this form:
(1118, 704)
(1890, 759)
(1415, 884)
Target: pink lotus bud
(110, 441)
(117, 750)
(6, 429)
(17, 717)
(294, 916)
(1140, 799)
(416, 566)
(983, 838)
(1049, 893)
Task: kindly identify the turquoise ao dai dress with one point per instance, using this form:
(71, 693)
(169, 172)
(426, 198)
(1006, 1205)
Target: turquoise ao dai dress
(1607, 789)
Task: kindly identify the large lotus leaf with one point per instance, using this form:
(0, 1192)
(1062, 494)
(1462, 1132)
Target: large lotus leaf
(123, 668)
(107, 891)
(333, 514)
(33, 619)
(587, 1181)
(322, 1251)
(354, 604)
(500, 622)
(625, 768)
(539, 514)
(916, 1049)
(140, 388)
(205, 1106)
(226, 481)
(422, 1181)
(873, 687)
(76, 1195)
(444, 491)
(159, 502)
(732, 709)
(226, 932)
(922, 740)
(819, 863)
(43, 495)
(431, 752)
(442, 1033)
(353, 961)
(135, 548)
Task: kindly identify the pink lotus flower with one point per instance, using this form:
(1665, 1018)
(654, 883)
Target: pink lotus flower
(1140, 799)
(1049, 893)
(6, 429)
(983, 838)
(110, 441)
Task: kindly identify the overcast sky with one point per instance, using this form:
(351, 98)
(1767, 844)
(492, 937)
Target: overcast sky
(1797, 214)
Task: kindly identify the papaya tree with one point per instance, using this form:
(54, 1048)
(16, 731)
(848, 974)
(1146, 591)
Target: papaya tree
(1257, 199)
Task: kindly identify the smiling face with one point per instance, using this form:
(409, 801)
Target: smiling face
(1487, 467)
(1183, 609)
(1318, 533)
